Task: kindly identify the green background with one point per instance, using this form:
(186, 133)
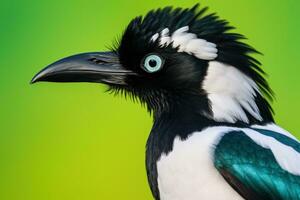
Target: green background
(74, 141)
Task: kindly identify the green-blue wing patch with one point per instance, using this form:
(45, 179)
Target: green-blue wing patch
(252, 170)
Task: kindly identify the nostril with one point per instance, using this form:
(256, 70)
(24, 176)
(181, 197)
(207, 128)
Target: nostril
(92, 59)
(96, 60)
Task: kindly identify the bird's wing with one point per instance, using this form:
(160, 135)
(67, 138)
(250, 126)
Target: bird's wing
(260, 164)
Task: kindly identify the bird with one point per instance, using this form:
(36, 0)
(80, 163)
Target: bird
(213, 135)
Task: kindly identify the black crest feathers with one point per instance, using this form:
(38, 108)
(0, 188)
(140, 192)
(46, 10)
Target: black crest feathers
(135, 41)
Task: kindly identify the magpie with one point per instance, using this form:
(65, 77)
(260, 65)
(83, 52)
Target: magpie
(213, 134)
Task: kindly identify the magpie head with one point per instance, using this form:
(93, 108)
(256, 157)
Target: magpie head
(174, 59)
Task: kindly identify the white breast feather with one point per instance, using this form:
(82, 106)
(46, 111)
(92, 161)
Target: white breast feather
(188, 171)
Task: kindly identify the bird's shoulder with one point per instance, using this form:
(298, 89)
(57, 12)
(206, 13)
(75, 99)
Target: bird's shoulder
(260, 162)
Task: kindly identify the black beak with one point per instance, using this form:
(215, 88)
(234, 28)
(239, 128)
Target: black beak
(100, 67)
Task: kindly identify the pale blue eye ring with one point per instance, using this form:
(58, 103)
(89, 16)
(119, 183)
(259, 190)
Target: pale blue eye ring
(152, 63)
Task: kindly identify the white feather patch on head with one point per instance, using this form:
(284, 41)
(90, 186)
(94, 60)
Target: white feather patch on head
(187, 42)
(230, 93)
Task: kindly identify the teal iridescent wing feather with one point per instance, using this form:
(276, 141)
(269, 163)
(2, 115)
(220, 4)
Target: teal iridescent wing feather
(252, 170)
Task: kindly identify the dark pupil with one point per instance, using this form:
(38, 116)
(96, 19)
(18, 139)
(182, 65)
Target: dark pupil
(152, 63)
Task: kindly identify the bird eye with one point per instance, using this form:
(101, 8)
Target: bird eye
(152, 63)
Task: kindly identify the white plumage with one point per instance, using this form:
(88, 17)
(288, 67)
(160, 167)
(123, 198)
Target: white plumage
(187, 42)
(230, 93)
(188, 171)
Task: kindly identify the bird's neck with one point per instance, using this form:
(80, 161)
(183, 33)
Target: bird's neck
(196, 106)
(179, 123)
(168, 125)
(181, 117)
(186, 113)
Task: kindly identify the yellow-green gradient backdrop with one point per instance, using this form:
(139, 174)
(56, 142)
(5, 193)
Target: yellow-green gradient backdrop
(75, 142)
